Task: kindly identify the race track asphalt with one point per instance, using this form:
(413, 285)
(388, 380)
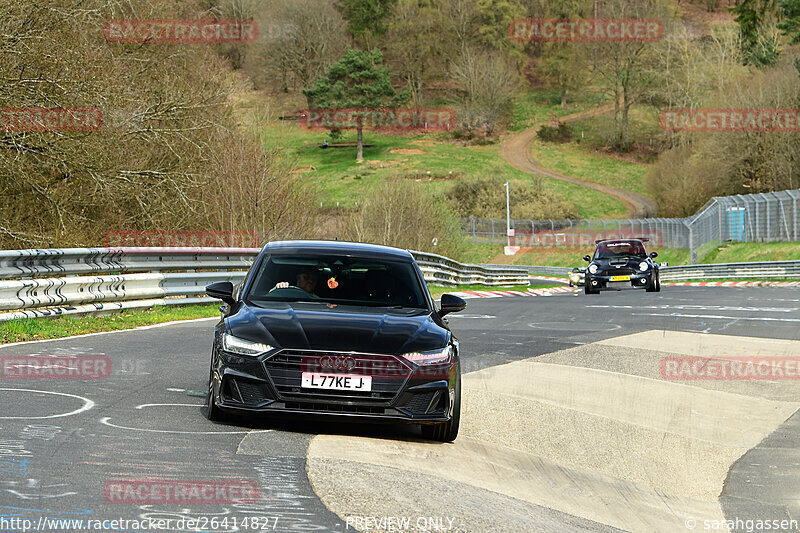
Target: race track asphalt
(569, 425)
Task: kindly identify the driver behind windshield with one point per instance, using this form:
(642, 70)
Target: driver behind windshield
(607, 251)
(306, 280)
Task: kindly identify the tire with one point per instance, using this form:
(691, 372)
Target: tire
(446, 431)
(571, 284)
(652, 284)
(587, 289)
(658, 283)
(210, 410)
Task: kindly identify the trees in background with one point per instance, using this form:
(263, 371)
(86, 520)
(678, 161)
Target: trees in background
(414, 47)
(627, 70)
(757, 21)
(301, 39)
(166, 122)
(367, 19)
(489, 82)
(702, 165)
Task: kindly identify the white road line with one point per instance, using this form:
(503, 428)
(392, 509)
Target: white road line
(87, 404)
(722, 317)
(152, 326)
(169, 404)
(105, 421)
(703, 308)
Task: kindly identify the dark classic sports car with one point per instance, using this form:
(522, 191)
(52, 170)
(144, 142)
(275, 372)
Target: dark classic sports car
(621, 264)
(336, 329)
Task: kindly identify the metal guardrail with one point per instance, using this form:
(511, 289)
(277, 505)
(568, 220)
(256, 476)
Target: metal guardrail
(547, 270)
(53, 282)
(732, 271)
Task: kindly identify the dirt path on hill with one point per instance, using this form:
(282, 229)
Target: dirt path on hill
(516, 151)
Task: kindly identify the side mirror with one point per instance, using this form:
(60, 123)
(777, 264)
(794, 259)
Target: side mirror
(452, 304)
(653, 254)
(587, 258)
(222, 290)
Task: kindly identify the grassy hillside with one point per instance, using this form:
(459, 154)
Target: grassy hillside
(433, 161)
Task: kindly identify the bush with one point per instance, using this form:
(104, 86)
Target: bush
(402, 214)
(486, 197)
(560, 134)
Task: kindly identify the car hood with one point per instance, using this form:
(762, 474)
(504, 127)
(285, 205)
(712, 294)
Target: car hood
(316, 326)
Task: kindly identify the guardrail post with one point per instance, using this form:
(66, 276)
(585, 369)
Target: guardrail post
(474, 236)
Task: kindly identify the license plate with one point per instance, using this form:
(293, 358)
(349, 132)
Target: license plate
(619, 278)
(313, 380)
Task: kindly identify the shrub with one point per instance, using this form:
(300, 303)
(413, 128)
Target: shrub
(402, 214)
(560, 134)
(486, 197)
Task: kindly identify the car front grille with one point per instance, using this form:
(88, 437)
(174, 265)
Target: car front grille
(389, 374)
(623, 271)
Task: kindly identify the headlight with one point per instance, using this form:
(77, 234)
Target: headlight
(592, 268)
(242, 347)
(431, 357)
(643, 266)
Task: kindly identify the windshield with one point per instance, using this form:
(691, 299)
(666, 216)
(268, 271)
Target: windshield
(336, 279)
(608, 250)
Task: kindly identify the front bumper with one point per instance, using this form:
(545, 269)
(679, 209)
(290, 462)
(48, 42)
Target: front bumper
(271, 385)
(603, 282)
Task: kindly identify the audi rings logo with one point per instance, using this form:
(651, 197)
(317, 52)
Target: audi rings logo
(340, 363)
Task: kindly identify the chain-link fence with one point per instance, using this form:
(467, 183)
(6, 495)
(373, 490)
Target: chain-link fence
(762, 217)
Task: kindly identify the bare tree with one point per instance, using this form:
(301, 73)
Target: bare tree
(489, 82)
(415, 44)
(303, 38)
(165, 113)
(627, 69)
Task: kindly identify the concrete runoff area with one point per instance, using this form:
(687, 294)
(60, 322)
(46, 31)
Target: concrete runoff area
(591, 432)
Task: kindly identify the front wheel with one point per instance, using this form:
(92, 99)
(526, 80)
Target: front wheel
(212, 412)
(587, 288)
(447, 431)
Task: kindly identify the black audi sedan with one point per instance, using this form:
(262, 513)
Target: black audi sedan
(336, 329)
(621, 264)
